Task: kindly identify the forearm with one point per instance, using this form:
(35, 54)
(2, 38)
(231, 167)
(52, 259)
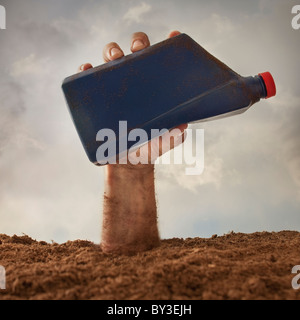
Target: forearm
(129, 211)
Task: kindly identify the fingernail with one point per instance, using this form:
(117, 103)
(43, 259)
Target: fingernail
(137, 43)
(81, 67)
(115, 51)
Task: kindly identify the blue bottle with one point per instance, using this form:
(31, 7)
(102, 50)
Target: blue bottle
(170, 83)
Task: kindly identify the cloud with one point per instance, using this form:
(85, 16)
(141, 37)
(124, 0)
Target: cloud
(29, 65)
(12, 108)
(175, 174)
(49, 189)
(135, 14)
(290, 142)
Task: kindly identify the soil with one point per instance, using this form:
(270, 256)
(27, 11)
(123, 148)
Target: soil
(232, 266)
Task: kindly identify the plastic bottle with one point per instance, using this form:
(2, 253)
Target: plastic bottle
(170, 83)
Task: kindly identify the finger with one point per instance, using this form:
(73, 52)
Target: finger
(139, 41)
(172, 139)
(180, 138)
(112, 51)
(182, 127)
(178, 134)
(174, 34)
(84, 67)
(162, 144)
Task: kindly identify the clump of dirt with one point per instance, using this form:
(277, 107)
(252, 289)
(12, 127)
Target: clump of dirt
(232, 266)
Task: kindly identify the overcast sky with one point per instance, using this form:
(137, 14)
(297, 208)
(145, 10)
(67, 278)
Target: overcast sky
(48, 188)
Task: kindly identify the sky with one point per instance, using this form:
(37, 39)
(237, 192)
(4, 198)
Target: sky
(251, 180)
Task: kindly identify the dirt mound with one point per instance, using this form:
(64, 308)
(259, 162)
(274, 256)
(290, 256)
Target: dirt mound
(233, 266)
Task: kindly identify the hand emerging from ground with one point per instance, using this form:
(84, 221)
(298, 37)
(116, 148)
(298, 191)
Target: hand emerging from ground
(129, 209)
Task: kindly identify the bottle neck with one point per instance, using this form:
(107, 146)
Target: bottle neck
(263, 86)
(256, 87)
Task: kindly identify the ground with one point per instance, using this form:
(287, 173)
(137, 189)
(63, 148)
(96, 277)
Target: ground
(232, 266)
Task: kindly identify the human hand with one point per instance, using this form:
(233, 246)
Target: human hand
(129, 206)
(149, 152)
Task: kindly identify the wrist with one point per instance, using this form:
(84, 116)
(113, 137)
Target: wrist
(129, 173)
(129, 212)
(130, 168)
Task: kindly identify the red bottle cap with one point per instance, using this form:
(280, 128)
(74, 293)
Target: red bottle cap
(269, 84)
